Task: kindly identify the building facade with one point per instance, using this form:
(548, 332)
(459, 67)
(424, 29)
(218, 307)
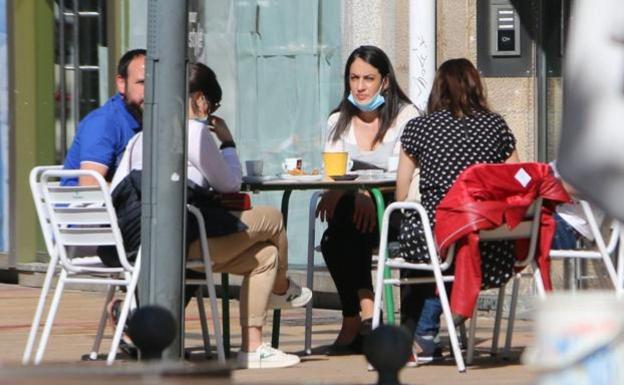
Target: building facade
(280, 63)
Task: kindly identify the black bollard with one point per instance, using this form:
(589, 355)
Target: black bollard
(387, 349)
(152, 329)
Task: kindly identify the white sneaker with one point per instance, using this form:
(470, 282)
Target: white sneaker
(295, 296)
(266, 357)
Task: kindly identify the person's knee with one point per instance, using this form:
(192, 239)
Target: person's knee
(271, 216)
(267, 259)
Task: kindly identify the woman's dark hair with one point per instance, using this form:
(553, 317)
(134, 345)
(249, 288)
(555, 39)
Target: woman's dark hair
(204, 80)
(457, 87)
(394, 97)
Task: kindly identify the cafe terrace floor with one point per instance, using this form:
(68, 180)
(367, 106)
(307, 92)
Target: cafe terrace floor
(76, 323)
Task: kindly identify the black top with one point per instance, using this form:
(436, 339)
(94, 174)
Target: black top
(444, 146)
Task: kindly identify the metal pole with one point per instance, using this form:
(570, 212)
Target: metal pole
(422, 48)
(76, 37)
(62, 85)
(164, 163)
(542, 87)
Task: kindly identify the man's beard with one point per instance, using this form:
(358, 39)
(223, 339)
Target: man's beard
(135, 110)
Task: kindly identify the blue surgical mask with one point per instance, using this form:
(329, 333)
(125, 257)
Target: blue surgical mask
(371, 105)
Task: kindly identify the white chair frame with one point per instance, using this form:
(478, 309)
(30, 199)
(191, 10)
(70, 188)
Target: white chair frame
(528, 229)
(70, 217)
(604, 250)
(206, 265)
(310, 269)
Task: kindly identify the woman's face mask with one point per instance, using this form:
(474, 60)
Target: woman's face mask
(371, 105)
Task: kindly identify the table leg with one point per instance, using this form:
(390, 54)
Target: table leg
(277, 313)
(225, 310)
(389, 299)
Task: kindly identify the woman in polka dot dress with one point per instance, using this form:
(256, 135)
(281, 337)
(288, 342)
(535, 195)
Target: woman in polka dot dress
(459, 130)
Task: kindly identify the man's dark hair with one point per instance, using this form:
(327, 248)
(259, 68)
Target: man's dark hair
(204, 80)
(124, 62)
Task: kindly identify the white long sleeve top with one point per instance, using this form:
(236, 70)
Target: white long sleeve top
(207, 165)
(389, 146)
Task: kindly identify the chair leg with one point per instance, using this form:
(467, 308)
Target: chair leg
(497, 320)
(202, 321)
(471, 337)
(102, 324)
(216, 323)
(512, 317)
(310, 271)
(620, 263)
(225, 311)
(448, 317)
(50, 318)
(539, 283)
(463, 336)
(34, 327)
(125, 310)
(309, 306)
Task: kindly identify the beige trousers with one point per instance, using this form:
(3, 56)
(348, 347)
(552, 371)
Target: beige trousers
(259, 254)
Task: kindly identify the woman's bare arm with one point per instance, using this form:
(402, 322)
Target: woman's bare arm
(405, 172)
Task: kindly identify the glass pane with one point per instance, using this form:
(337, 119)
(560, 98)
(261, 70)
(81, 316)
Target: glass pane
(89, 92)
(287, 85)
(279, 65)
(88, 5)
(88, 32)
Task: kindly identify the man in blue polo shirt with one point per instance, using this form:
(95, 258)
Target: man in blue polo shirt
(102, 135)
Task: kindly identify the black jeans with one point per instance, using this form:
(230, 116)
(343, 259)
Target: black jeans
(348, 254)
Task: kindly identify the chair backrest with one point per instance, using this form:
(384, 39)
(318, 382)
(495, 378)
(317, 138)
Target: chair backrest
(42, 212)
(81, 216)
(594, 227)
(528, 228)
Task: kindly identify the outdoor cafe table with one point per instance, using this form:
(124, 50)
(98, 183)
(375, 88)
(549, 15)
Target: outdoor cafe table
(287, 186)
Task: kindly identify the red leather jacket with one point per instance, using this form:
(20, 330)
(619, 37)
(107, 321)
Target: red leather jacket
(483, 197)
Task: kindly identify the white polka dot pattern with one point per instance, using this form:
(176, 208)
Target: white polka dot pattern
(445, 146)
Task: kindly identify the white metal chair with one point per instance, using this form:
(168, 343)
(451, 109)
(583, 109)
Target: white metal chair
(603, 251)
(314, 198)
(206, 265)
(35, 188)
(70, 217)
(527, 229)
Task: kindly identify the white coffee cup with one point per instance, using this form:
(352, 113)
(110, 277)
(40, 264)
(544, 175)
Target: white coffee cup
(393, 163)
(254, 167)
(291, 164)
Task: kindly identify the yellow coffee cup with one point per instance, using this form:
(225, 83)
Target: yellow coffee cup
(335, 163)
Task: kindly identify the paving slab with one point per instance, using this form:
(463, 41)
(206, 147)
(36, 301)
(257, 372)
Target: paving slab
(76, 323)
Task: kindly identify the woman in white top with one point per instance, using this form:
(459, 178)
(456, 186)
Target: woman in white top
(258, 248)
(367, 124)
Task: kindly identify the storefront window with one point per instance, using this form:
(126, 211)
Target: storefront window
(279, 65)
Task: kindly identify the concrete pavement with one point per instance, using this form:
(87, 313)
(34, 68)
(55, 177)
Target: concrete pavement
(77, 319)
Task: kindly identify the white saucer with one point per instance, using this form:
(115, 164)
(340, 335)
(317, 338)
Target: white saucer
(302, 178)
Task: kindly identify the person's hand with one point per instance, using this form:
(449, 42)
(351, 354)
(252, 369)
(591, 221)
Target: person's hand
(220, 128)
(327, 205)
(364, 216)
